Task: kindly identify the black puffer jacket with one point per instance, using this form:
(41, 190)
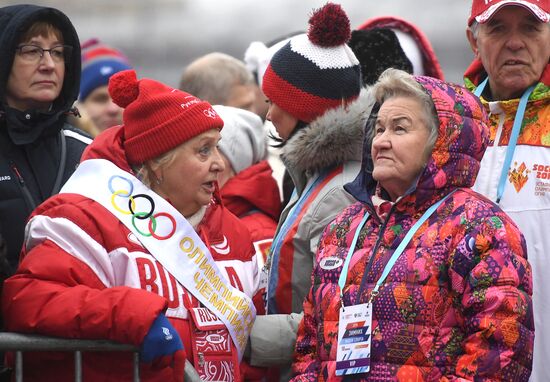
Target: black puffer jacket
(38, 150)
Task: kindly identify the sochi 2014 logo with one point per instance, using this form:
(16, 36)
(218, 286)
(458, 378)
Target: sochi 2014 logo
(518, 176)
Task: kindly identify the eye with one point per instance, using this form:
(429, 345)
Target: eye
(57, 52)
(532, 28)
(31, 50)
(205, 150)
(379, 130)
(98, 98)
(497, 28)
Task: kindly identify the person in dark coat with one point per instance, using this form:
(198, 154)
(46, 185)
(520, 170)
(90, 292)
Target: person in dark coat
(39, 82)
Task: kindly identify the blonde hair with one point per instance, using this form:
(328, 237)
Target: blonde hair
(144, 171)
(398, 83)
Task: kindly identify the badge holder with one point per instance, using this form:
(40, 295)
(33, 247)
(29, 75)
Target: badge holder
(215, 358)
(353, 354)
(354, 339)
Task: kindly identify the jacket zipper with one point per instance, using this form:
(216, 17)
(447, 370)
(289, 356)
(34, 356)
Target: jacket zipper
(371, 260)
(26, 193)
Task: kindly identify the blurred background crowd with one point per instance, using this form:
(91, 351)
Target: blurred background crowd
(161, 37)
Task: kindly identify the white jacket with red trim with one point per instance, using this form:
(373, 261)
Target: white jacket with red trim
(329, 149)
(85, 275)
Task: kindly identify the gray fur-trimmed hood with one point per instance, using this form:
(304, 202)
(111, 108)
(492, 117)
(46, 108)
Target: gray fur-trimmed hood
(330, 140)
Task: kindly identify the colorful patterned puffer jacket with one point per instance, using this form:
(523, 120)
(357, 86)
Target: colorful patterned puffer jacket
(456, 306)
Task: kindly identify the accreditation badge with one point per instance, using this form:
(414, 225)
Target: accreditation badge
(354, 340)
(264, 281)
(214, 357)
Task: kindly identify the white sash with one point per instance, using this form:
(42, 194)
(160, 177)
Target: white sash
(160, 227)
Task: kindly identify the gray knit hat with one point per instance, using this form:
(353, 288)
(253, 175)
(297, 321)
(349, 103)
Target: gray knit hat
(243, 137)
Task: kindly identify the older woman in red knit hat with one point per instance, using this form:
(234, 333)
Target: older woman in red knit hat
(138, 249)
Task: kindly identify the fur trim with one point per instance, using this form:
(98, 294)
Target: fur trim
(331, 139)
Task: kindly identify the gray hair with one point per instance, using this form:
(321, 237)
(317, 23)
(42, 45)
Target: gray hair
(474, 28)
(398, 83)
(212, 77)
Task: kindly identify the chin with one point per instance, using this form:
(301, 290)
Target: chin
(47, 98)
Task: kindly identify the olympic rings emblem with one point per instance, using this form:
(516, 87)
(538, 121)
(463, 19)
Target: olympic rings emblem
(126, 192)
(210, 113)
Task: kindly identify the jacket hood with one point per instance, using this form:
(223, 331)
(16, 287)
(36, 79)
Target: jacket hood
(463, 136)
(331, 139)
(240, 194)
(14, 21)
(432, 68)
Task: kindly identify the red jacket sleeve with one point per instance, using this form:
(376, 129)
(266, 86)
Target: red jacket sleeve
(55, 293)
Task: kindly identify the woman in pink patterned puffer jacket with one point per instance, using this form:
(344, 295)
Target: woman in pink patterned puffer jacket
(456, 305)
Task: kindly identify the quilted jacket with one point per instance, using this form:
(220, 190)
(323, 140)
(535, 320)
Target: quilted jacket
(456, 305)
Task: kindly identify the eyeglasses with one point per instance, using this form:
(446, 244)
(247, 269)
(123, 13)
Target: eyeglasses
(34, 53)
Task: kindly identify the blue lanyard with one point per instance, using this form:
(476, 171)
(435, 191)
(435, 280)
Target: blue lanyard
(518, 119)
(280, 238)
(394, 257)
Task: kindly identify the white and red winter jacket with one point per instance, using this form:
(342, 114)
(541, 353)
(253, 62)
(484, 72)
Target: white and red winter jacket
(84, 275)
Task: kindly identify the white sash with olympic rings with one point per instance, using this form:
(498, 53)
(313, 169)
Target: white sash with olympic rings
(160, 228)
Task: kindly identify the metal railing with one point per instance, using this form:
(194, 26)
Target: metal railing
(20, 343)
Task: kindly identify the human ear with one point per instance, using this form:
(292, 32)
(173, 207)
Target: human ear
(473, 42)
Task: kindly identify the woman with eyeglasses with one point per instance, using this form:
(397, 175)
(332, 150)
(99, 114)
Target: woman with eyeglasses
(39, 82)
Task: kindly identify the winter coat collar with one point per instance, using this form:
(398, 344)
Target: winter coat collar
(330, 140)
(25, 127)
(454, 162)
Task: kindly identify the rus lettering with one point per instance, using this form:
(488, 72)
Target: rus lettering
(147, 275)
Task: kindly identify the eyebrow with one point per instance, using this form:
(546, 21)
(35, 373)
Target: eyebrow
(530, 18)
(35, 41)
(396, 119)
(209, 139)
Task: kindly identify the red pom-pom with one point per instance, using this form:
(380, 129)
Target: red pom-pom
(329, 26)
(123, 87)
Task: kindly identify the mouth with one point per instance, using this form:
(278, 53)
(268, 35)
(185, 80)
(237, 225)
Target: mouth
(513, 62)
(209, 187)
(48, 83)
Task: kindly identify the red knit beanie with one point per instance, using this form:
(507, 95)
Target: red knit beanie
(156, 117)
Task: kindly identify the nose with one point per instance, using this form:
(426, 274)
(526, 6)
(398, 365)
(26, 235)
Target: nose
(112, 108)
(515, 41)
(218, 164)
(269, 111)
(381, 141)
(46, 62)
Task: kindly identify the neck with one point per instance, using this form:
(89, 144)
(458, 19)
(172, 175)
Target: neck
(491, 93)
(195, 218)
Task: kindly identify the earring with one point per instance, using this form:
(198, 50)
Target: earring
(158, 181)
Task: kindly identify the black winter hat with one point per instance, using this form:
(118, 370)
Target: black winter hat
(378, 49)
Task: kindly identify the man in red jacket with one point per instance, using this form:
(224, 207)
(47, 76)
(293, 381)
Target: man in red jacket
(247, 186)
